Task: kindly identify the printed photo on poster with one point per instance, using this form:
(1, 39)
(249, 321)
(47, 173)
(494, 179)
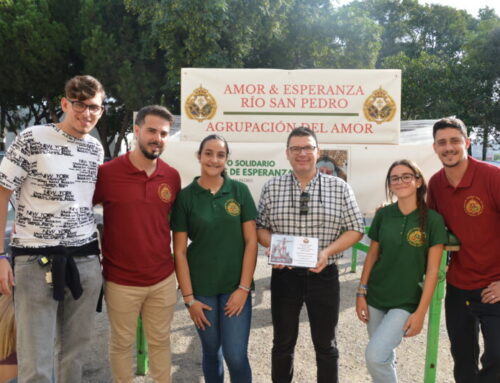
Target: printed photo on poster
(333, 162)
(293, 251)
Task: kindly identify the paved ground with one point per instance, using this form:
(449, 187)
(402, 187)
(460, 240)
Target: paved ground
(352, 338)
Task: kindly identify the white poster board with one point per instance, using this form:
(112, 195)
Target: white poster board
(264, 105)
(365, 166)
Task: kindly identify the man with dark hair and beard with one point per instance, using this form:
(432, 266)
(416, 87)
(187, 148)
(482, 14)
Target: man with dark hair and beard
(466, 192)
(137, 191)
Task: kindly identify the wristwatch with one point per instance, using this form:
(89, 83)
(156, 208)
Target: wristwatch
(190, 303)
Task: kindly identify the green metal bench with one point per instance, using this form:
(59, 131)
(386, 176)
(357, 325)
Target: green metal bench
(358, 246)
(141, 349)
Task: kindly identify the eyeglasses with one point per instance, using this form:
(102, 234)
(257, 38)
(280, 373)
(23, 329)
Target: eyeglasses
(304, 200)
(405, 178)
(80, 107)
(297, 149)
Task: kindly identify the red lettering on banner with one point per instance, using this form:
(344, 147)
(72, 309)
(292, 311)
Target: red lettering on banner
(324, 103)
(322, 90)
(252, 102)
(356, 128)
(316, 127)
(282, 102)
(244, 89)
(282, 127)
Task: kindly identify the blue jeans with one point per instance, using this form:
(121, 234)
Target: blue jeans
(45, 326)
(465, 316)
(385, 330)
(226, 339)
(290, 289)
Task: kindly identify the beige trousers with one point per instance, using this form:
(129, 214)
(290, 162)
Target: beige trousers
(156, 305)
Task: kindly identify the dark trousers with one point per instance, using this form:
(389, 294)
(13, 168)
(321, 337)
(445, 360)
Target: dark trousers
(290, 289)
(465, 316)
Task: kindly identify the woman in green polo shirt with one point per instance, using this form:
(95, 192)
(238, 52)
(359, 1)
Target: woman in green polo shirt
(406, 243)
(215, 271)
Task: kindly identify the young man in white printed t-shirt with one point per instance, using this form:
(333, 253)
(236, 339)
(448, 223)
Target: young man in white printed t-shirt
(56, 273)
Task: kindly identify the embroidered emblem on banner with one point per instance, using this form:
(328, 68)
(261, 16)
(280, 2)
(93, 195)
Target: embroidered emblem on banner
(200, 105)
(416, 237)
(232, 207)
(473, 206)
(379, 107)
(164, 193)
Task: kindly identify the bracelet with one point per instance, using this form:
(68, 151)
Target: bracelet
(4, 256)
(360, 295)
(364, 287)
(247, 289)
(243, 289)
(187, 295)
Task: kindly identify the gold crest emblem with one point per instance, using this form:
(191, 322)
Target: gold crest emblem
(164, 193)
(200, 105)
(416, 237)
(379, 107)
(473, 206)
(232, 207)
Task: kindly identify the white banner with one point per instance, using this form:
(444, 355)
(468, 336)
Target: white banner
(364, 167)
(263, 105)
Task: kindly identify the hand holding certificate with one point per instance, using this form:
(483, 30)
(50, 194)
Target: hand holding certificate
(293, 251)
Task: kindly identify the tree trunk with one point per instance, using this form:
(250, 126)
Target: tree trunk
(52, 111)
(3, 129)
(121, 135)
(102, 129)
(486, 133)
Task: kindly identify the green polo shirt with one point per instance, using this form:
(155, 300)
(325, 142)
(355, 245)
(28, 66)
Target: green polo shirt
(396, 278)
(214, 226)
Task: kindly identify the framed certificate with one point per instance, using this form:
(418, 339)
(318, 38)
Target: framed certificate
(293, 251)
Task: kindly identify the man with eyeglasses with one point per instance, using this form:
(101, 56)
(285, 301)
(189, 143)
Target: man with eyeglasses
(55, 253)
(308, 203)
(466, 192)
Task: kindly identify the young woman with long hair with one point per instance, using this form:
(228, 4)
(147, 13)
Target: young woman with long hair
(406, 244)
(215, 271)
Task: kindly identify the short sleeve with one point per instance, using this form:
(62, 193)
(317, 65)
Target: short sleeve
(437, 229)
(430, 193)
(263, 217)
(98, 192)
(351, 215)
(179, 218)
(16, 163)
(248, 209)
(494, 181)
(373, 233)
(101, 154)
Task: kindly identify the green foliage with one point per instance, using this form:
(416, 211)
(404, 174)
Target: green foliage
(358, 39)
(120, 52)
(33, 50)
(138, 47)
(448, 59)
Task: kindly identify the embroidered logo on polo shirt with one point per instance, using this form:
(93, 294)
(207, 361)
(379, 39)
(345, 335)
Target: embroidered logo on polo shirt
(164, 193)
(473, 206)
(416, 237)
(232, 207)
